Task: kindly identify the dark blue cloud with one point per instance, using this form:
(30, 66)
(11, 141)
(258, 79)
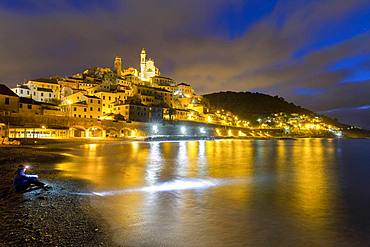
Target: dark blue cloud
(359, 76)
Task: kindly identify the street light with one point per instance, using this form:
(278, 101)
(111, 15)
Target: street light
(155, 129)
(183, 130)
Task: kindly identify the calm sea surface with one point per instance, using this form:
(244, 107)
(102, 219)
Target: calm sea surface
(307, 192)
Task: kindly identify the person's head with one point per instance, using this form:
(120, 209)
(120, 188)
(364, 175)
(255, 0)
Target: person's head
(22, 167)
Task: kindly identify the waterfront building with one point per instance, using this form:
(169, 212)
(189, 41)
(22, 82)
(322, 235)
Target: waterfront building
(44, 83)
(138, 112)
(88, 107)
(49, 109)
(109, 98)
(22, 91)
(28, 106)
(180, 114)
(36, 93)
(9, 101)
(3, 130)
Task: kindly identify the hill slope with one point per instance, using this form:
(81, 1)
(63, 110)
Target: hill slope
(247, 105)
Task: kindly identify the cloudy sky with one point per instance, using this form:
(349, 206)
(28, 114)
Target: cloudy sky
(314, 53)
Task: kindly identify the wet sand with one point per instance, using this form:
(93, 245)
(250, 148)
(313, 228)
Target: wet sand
(46, 218)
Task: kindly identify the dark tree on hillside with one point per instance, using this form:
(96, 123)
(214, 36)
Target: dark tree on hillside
(247, 104)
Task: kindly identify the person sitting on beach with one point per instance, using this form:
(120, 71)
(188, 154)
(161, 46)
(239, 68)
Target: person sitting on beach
(23, 181)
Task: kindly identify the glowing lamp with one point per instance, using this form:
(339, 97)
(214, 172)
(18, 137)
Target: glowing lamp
(155, 129)
(183, 130)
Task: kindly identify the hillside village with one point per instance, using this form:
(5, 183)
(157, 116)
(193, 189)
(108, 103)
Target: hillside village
(120, 93)
(131, 95)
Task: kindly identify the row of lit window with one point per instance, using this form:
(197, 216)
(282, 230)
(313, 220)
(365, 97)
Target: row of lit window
(75, 115)
(85, 109)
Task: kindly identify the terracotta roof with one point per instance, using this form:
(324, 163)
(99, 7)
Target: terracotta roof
(4, 90)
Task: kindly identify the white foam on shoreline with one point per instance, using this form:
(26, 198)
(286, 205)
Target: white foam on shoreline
(174, 185)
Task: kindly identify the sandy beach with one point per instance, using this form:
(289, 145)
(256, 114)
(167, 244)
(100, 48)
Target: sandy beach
(48, 218)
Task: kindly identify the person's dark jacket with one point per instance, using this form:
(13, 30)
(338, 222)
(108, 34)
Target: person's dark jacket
(21, 179)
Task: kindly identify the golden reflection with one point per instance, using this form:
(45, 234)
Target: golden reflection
(91, 164)
(282, 158)
(233, 159)
(202, 159)
(291, 177)
(192, 159)
(166, 148)
(311, 182)
(182, 159)
(104, 166)
(135, 147)
(155, 164)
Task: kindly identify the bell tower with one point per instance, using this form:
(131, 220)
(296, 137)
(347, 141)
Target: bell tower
(142, 64)
(118, 65)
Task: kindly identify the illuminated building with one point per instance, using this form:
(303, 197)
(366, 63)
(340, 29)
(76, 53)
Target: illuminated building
(29, 106)
(44, 84)
(9, 101)
(128, 94)
(109, 98)
(139, 113)
(22, 91)
(88, 107)
(147, 67)
(42, 94)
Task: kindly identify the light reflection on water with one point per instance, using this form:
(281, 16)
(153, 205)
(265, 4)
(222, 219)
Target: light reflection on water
(228, 193)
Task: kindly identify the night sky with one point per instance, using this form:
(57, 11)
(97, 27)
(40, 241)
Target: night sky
(314, 53)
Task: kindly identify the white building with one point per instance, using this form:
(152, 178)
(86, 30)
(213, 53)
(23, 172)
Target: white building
(36, 93)
(22, 91)
(147, 67)
(43, 95)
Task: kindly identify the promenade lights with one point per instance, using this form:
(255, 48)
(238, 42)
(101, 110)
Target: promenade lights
(155, 129)
(202, 130)
(183, 130)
